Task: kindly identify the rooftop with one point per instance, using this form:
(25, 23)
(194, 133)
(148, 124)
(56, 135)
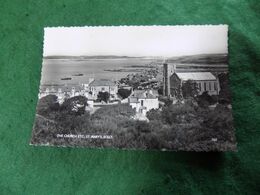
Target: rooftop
(102, 82)
(196, 76)
(133, 100)
(144, 94)
(64, 88)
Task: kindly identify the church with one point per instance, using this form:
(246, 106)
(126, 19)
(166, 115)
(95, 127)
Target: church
(173, 80)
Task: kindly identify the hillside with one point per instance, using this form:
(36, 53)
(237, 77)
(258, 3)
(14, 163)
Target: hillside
(201, 59)
(87, 57)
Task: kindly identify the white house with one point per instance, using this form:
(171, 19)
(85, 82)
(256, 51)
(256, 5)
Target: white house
(61, 91)
(103, 85)
(143, 101)
(90, 90)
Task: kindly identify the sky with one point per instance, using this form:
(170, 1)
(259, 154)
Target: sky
(165, 41)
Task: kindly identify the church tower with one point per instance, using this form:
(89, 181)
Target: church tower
(166, 79)
(168, 70)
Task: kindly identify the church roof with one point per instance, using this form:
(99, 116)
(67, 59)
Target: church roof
(196, 76)
(102, 82)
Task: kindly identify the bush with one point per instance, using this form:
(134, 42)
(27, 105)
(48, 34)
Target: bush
(75, 105)
(214, 99)
(110, 118)
(160, 90)
(189, 89)
(178, 113)
(71, 123)
(139, 135)
(191, 102)
(178, 126)
(103, 96)
(220, 122)
(154, 114)
(124, 93)
(224, 93)
(204, 100)
(166, 100)
(48, 104)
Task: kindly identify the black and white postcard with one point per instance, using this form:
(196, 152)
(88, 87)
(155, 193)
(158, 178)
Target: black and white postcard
(135, 87)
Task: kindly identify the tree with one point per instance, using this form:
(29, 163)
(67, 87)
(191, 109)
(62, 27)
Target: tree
(224, 93)
(75, 105)
(219, 124)
(103, 96)
(189, 89)
(73, 123)
(154, 114)
(166, 100)
(124, 93)
(47, 104)
(177, 113)
(160, 90)
(204, 100)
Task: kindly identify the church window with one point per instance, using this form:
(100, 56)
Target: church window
(205, 86)
(215, 86)
(210, 86)
(199, 85)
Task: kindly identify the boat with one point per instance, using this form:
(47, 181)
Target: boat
(66, 78)
(78, 74)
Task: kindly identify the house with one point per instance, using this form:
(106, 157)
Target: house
(143, 101)
(72, 90)
(61, 91)
(173, 80)
(50, 90)
(124, 86)
(89, 90)
(103, 85)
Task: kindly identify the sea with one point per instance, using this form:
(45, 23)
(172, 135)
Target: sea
(74, 71)
(79, 71)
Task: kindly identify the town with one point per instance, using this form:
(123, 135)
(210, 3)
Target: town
(142, 91)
